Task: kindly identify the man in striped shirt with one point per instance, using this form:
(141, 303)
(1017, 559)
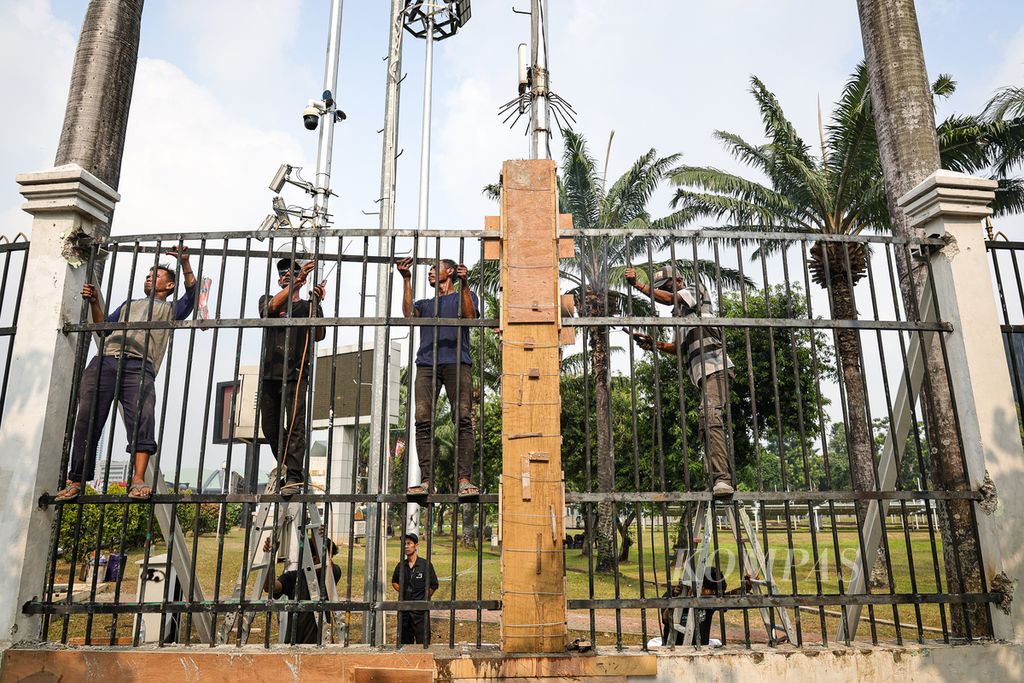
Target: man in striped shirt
(708, 365)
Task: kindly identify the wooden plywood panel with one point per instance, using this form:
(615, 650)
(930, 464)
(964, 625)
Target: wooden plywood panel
(381, 675)
(193, 664)
(588, 668)
(532, 495)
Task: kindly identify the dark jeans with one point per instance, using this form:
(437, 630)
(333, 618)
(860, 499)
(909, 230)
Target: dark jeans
(275, 395)
(136, 376)
(428, 388)
(712, 428)
(414, 627)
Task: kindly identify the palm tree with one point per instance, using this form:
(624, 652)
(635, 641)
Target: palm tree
(96, 117)
(842, 192)
(910, 151)
(598, 285)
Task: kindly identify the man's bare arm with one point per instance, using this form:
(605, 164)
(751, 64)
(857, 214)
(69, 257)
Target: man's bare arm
(405, 270)
(467, 309)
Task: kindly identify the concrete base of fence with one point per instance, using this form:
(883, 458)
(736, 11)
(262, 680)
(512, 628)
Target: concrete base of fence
(982, 662)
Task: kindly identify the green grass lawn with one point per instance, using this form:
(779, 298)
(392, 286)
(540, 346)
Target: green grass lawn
(798, 575)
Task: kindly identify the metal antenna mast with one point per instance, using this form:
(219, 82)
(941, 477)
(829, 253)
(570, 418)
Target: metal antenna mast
(535, 93)
(431, 20)
(373, 587)
(540, 126)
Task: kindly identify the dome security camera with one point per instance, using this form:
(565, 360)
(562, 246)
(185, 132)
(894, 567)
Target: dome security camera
(312, 113)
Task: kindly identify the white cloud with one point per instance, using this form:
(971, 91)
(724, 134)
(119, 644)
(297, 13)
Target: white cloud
(31, 118)
(191, 163)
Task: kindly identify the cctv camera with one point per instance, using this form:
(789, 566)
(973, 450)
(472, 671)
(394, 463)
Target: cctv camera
(280, 178)
(311, 114)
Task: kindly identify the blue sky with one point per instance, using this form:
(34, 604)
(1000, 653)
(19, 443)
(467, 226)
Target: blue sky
(221, 86)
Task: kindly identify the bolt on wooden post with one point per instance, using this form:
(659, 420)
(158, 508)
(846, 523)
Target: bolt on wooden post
(532, 494)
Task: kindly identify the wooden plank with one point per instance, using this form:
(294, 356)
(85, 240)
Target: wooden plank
(201, 664)
(492, 245)
(588, 668)
(377, 675)
(533, 572)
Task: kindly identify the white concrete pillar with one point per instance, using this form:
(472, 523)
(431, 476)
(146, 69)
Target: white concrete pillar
(951, 206)
(66, 203)
(343, 450)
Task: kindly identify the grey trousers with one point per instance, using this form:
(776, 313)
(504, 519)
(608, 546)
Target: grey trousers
(712, 427)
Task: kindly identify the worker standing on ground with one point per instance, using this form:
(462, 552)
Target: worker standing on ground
(285, 368)
(450, 368)
(413, 578)
(704, 354)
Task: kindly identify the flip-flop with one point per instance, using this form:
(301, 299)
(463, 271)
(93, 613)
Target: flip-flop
(420, 489)
(468, 488)
(69, 492)
(140, 491)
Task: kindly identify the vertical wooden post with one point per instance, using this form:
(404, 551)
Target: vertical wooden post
(533, 498)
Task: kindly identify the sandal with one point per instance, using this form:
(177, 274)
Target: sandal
(468, 488)
(140, 491)
(69, 492)
(420, 489)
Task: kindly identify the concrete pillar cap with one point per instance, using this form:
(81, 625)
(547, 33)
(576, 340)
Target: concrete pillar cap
(67, 189)
(949, 194)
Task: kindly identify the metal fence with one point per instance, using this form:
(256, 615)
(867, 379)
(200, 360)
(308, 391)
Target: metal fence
(12, 282)
(821, 347)
(1005, 258)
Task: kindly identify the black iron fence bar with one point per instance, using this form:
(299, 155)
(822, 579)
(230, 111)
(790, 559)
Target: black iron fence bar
(8, 331)
(771, 323)
(732, 235)
(266, 606)
(1000, 244)
(281, 235)
(477, 233)
(13, 246)
(768, 496)
(1011, 328)
(281, 253)
(818, 324)
(194, 498)
(752, 601)
(278, 322)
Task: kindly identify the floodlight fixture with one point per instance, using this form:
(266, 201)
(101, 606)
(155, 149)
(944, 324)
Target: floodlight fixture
(443, 18)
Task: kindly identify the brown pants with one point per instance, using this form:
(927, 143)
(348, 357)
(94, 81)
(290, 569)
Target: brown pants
(712, 428)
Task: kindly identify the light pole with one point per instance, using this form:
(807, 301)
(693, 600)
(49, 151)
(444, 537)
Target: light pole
(431, 20)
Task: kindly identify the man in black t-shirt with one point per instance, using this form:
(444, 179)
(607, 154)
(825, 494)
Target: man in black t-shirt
(714, 584)
(285, 369)
(302, 626)
(413, 577)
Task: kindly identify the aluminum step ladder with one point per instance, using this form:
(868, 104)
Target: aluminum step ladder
(266, 540)
(752, 559)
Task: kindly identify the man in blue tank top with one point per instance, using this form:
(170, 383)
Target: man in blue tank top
(443, 359)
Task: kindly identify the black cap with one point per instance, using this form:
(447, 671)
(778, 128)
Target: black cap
(287, 265)
(412, 537)
(713, 577)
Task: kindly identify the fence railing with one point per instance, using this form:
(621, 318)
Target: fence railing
(12, 283)
(818, 342)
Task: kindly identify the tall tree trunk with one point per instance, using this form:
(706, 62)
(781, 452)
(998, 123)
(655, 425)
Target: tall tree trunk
(905, 123)
(862, 474)
(605, 458)
(96, 117)
(627, 540)
(469, 531)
